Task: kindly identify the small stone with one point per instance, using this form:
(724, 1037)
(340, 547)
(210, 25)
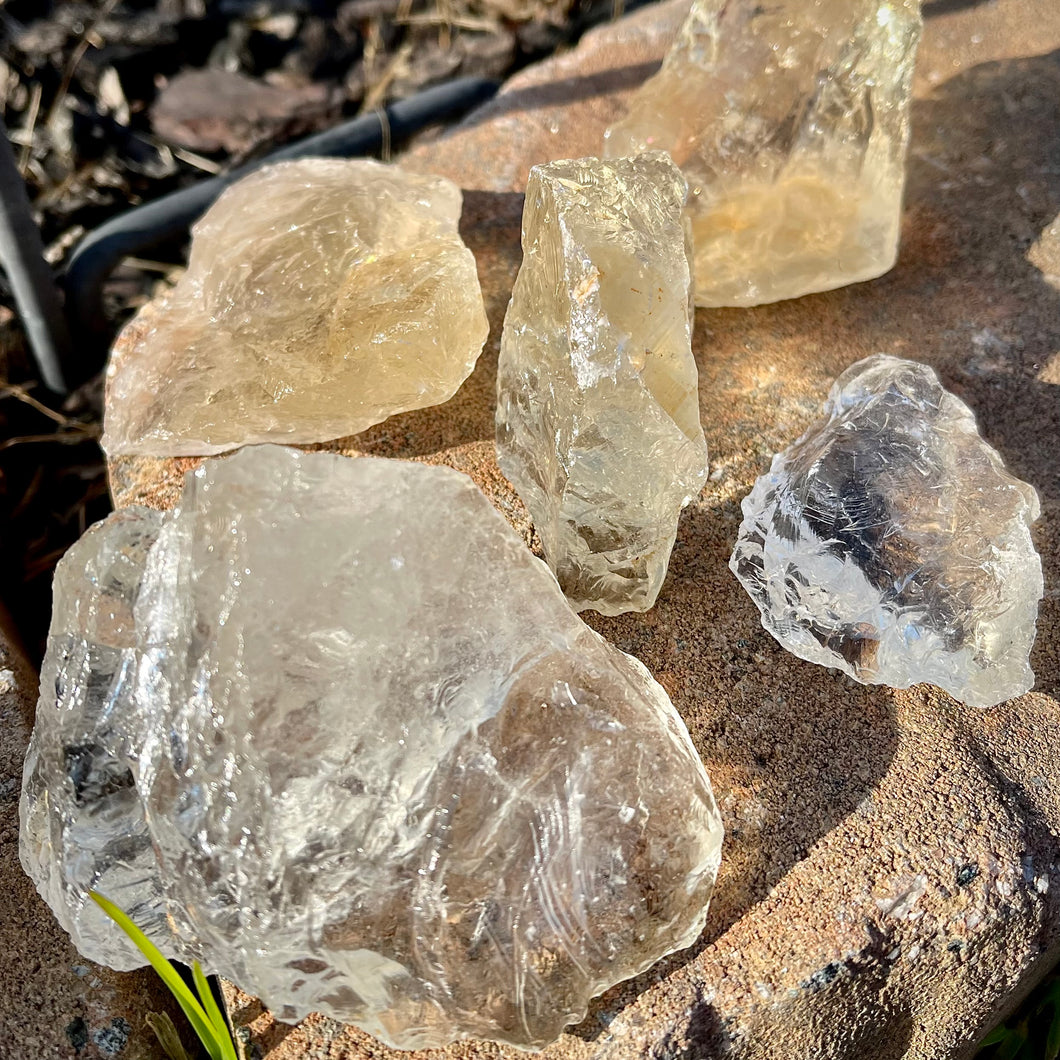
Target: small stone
(331, 729)
(598, 404)
(214, 109)
(890, 542)
(790, 121)
(321, 297)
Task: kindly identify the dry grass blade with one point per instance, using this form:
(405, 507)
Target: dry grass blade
(27, 132)
(376, 94)
(83, 45)
(432, 18)
(74, 436)
(22, 394)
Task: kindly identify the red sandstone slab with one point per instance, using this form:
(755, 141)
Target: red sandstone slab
(891, 881)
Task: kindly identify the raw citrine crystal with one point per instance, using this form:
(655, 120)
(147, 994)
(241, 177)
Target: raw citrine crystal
(321, 297)
(790, 121)
(598, 407)
(331, 729)
(889, 541)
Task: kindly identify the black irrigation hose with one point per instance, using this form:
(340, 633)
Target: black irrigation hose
(22, 257)
(146, 226)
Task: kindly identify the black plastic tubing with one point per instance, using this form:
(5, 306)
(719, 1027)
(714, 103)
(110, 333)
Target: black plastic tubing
(22, 258)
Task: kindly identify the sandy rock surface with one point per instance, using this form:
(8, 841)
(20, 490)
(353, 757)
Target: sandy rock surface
(891, 884)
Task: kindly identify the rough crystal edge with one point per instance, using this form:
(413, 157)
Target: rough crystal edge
(751, 507)
(515, 468)
(164, 444)
(165, 931)
(699, 23)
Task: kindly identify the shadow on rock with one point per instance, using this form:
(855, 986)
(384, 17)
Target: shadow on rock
(1024, 808)
(934, 8)
(978, 203)
(793, 748)
(883, 1030)
(967, 297)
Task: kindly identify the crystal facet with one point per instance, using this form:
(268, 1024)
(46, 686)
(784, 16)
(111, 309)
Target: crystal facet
(889, 541)
(330, 728)
(790, 121)
(321, 297)
(598, 407)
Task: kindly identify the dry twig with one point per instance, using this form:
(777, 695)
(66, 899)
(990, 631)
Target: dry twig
(27, 130)
(74, 436)
(89, 39)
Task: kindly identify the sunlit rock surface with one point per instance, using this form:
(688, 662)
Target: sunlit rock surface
(321, 297)
(597, 401)
(388, 774)
(890, 542)
(790, 121)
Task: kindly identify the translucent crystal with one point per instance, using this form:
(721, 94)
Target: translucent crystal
(598, 407)
(890, 542)
(790, 121)
(330, 728)
(321, 296)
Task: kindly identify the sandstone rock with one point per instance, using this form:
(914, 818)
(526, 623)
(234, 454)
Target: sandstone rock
(790, 121)
(311, 309)
(597, 401)
(330, 728)
(890, 886)
(889, 541)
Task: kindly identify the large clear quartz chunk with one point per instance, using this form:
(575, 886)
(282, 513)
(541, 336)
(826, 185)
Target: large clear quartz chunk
(890, 542)
(330, 728)
(790, 121)
(598, 407)
(321, 297)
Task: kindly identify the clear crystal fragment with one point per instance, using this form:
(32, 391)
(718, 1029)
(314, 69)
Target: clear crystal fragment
(790, 121)
(890, 542)
(321, 297)
(330, 728)
(597, 391)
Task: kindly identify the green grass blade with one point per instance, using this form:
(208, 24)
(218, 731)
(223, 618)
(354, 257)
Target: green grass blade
(1052, 1040)
(166, 1034)
(1013, 1044)
(998, 1034)
(213, 1012)
(197, 1017)
(1052, 1037)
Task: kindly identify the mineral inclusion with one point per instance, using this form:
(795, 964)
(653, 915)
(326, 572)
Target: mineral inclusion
(890, 542)
(330, 728)
(321, 297)
(790, 121)
(597, 399)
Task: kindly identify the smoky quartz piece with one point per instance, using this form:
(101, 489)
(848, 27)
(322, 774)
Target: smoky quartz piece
(890, 542)
(597, 389)
(321, 297)
(331, 729)
(790, 121)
